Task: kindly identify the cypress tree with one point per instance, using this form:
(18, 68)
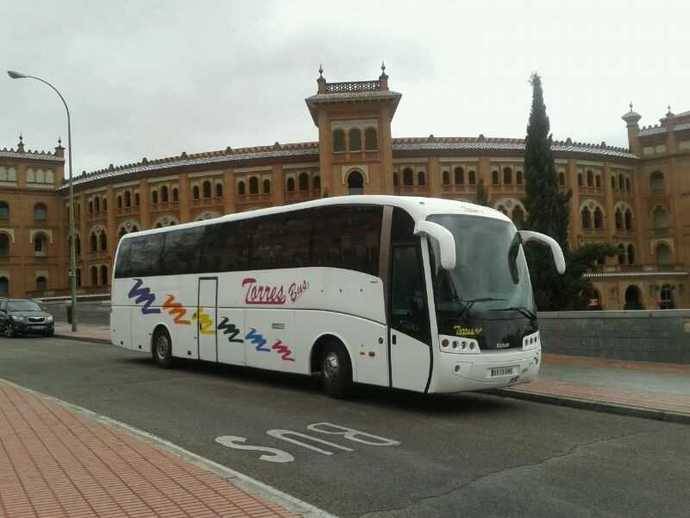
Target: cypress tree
(548, 213)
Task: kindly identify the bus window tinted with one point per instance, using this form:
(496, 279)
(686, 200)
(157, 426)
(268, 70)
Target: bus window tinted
(181, 251)
(225, 247)
(145, 254)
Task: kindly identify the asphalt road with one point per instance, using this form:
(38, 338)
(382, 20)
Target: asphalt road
(464, 455)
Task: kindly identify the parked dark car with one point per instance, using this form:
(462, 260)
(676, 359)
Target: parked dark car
(22, 316)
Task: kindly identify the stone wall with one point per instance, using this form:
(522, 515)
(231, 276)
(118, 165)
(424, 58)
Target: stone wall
(658, 336)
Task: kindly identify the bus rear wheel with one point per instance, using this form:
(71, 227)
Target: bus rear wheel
(336, 371)
(162, 349)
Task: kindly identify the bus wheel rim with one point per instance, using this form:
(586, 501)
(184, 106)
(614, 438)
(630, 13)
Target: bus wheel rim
(163, 348)
(332, 365)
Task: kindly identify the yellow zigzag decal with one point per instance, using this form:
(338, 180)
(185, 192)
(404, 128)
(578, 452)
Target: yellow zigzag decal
(205, 322)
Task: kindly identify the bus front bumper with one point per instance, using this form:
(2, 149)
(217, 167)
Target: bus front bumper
(486, 370)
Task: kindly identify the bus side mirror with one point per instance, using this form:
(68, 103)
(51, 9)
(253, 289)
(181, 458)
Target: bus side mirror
(444, 237)
(558, 258)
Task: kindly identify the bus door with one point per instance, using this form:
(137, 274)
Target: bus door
(410, 335)
(205, 318)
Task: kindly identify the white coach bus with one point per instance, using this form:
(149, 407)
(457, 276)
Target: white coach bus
(421, 294)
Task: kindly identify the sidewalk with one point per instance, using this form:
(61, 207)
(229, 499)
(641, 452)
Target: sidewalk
(645, 389)
(57, 463)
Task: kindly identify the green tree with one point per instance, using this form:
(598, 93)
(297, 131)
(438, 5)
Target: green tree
(548, 213)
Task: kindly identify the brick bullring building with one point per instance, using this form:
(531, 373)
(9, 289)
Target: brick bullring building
(636, 198)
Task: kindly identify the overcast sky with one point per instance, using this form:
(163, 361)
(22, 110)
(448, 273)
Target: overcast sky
(155, 78)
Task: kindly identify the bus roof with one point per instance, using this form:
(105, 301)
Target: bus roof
(418, 207)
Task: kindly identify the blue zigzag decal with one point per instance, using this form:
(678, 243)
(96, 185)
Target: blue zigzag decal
(144, 295)
(258, 340)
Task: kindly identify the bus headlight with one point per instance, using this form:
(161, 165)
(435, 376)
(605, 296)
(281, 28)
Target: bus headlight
(532, 341)
(458, 345)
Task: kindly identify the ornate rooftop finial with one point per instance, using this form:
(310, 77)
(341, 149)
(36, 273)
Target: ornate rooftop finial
(669, 113)
(320, 71)
(59, 141)
(20, 145)
(631, 108)
(383, 67)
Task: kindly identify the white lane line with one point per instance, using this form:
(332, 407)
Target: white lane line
(245, 482)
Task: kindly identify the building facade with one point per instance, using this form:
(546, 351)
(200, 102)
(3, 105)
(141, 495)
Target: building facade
(636, 198)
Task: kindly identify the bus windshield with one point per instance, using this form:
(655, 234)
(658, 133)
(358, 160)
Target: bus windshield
(491, 272)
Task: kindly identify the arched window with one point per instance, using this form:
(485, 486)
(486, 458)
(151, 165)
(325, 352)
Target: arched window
(628, 219)
(579, 180)
(253, 185)
(370, 141)
(666, 297)
(338, 140)
(303, 182)
(136, 199)
(4, 286)
(105, 204)
(104, 275)
(154, 197)
(355, 136)
(94, 276)
(90, 206)
(621, 254)
(597, 181)
(408, 176)
(518, 177)
(219, 190)
(103, 238)
(459, 176)
(355, 183)
(41, 283)
(613, 183)
(78, 277)
(4, 210)
(659, 218)
(446, 177)
(421, 178)
(628, 186)
(291, 184)
(621, 182)
(631, 254)
(4, 245)
(97, 204)
(472, 177)
(164, 194)
(619, 219)
(663, 254)
(207, 189)
(656, 181)
(507, 175)
(128, 199)
(94, 242)
(240, 188)
(633, 298)
(590, 178)
(267, 186)
(175, 195)
(494, 178)
(518, 216)
(40, 212)
(77, 246)
(396, 181)
(316, 182)
(586, 218)
(195, 192)
(119, 202)
(598, 219)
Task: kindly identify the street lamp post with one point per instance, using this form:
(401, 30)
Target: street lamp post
(72, 232)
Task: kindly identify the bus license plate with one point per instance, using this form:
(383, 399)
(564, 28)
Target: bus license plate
(501, 371)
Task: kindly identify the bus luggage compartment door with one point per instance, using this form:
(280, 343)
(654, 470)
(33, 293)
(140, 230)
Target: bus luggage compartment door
(205, 318)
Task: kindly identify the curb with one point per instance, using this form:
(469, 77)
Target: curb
(250, 485)
(82, 338)
(596, 406)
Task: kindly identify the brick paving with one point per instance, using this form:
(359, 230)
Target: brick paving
(57, 463)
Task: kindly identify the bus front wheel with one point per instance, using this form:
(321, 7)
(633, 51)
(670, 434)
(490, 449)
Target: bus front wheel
(162, 349)
(336, 371)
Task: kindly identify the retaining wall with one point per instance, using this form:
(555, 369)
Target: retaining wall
(657, 336)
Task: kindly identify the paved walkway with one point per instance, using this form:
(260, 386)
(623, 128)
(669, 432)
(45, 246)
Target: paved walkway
(56, 463)
(647, 389)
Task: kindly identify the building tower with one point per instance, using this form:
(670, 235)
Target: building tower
(354, 121)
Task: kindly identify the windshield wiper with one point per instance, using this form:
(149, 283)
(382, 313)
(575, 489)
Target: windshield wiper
(470, 302)
(526, 312)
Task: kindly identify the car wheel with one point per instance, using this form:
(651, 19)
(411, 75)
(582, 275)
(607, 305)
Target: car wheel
(162, 349)
(336, 371)
(9, 330)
